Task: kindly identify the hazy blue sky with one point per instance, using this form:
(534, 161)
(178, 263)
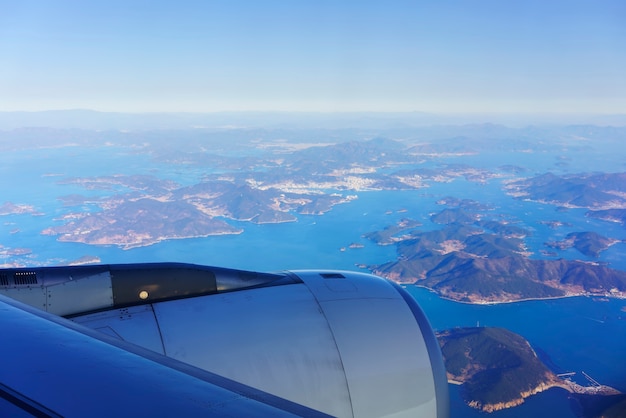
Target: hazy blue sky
(441, 56)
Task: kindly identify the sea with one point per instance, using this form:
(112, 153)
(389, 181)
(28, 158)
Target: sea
(573, 334)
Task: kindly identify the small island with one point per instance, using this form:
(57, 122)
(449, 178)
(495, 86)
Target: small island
(554, 224)
(85, 260)
(590, 244)
(10, 208)
(393, 233)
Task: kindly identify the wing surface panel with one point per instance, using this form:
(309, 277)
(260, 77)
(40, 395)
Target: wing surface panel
(58, 367)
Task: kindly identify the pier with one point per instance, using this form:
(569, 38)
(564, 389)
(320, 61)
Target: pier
(591, 380)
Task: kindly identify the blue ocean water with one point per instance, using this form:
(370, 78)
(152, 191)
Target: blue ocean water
(573, 334)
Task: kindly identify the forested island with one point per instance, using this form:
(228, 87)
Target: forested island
(155, 210)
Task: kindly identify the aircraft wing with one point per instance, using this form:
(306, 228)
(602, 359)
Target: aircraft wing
(52, 367)
(171, 339)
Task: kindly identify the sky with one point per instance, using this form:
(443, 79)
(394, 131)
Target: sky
(563, 56)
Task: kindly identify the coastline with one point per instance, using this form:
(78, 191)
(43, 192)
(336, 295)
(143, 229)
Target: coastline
(565, 384)
(489, 408)
(488, 302)
(147, 243)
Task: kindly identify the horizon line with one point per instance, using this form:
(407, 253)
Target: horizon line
(324, 112)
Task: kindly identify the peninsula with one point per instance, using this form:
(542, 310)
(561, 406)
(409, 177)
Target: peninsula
(479, 261)
(605, 191)
(498, 369)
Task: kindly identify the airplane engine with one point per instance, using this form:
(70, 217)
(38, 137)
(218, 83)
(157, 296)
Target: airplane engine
(344, 343)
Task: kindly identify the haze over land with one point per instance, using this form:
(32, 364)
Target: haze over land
(481, 213)
(470, 249)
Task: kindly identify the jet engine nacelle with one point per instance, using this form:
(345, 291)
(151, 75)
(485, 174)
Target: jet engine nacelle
(344, 343)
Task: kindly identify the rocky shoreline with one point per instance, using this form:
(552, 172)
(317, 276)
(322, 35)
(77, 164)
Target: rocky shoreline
(560, 383)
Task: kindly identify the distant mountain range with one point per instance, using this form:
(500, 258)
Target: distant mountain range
(90, 119)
